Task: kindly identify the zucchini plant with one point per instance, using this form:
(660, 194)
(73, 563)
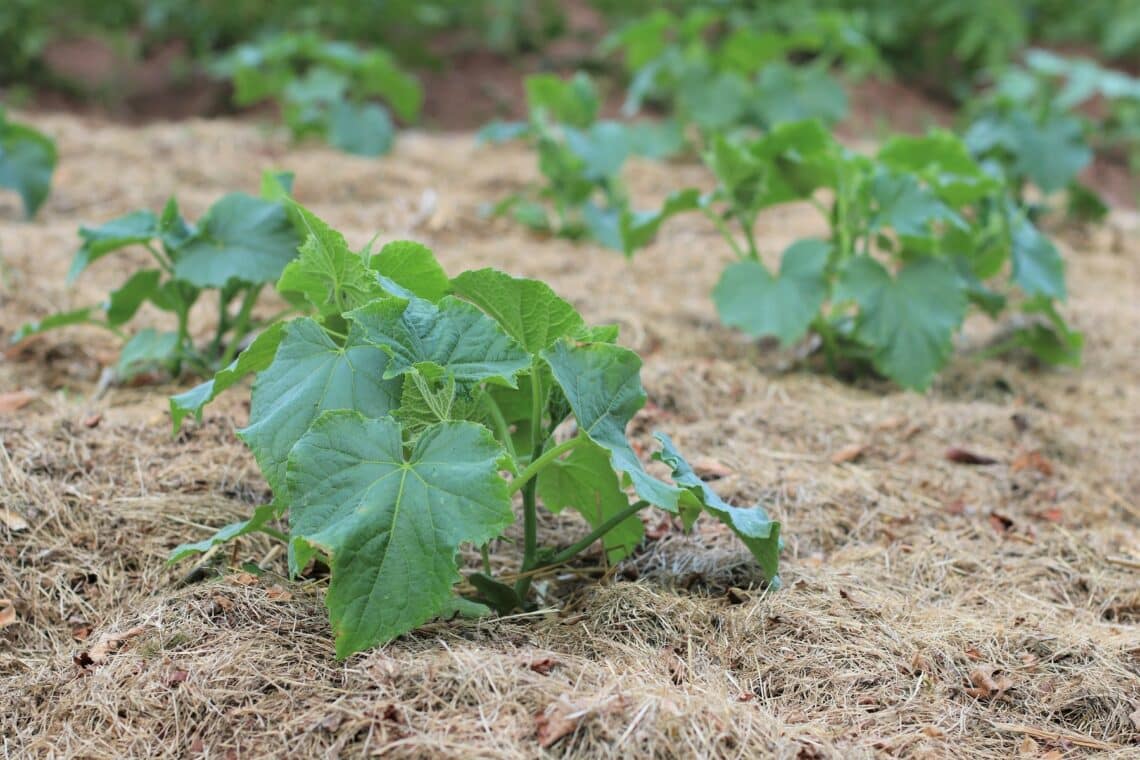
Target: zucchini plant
(238, 246)
(27, 161)
(580, 158)
(397, 422)
(919, 232)
(325, 88)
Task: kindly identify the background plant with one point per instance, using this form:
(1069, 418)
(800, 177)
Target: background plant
(27, 161)
(240, 244)
(580, 158)
(324, 88)
(384, 423)
(1038, 124)
(918, 233)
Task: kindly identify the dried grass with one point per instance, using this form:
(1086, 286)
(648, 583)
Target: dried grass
(930, 609)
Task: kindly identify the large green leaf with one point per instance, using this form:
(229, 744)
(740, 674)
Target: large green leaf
(310, 374)
(125, 301)
(414, 267)
(135, 227)
(908, 207)
(528, 310)
(363, 129)
(453, 334)
(787, 93)
(256, 357)
(240, 238)
(331, 277)
(908, 321)
(146, 348)
(943, 160)
(602, 383)
(752, 525)
(392, 523)
(750, 298)
(27, 160)
(585, 481)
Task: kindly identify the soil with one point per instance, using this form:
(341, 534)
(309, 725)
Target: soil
(930, 608)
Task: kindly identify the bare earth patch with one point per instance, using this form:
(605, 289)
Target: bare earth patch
(931, 608)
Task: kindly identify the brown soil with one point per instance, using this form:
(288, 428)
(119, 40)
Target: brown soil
(930, 608)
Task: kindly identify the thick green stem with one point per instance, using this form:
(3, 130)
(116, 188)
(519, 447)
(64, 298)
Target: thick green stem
(830, 345)
(746, 227)
(500, 423)
(530, 534)
(540, 460)
(529, 483)
(578, 547)
(485, 553)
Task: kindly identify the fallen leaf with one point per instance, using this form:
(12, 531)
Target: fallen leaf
(224, 602)
(849, 453)
(177, 677)
(986, 685)
(92, 420)
(892, 423)
(7, 613)
(1053, 515)
(746, 696)
(973, 654)
(956, 507)
(708, 468)
(107, 645)
(912, 431)
(543, 666)
(14, 400)
(556, 721)
(1000, 522)
(1028, 747)
(1032, 460)
(245, 579)
(278, 593)
(963, 456)
(331, 722)
(14, 521)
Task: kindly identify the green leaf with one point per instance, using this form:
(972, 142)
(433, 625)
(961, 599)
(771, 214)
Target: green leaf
(363, 129)
(277, 186)
(750, 298)
(51, 322)
(147, 348)
(125, 302)
(430, 395)
(638, 228)
(908, 321)
(135, 227)
(1037, 264)
(714, 102)
(453, 334)
(498, 132)
(499, 596)
(255, 358)
(327, 273)
(585, 481)
(908, 207)
(753, 526)
(602, 382)
(603, 224)
(603, 148)
(528, 310)
(413, 266)
(1053, 342)
(27, 160)
(310, 374)
(786, 93)
(574, 103)
(379, 75)
(1049, 154)
(392, 524)
(943, 160)
(261, 515)
(240, 238)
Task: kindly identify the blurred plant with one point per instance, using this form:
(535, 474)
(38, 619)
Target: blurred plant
(27, 161)
(323, 88)
(580, 157)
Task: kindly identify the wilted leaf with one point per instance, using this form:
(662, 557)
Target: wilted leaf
(14, 400)
(964, 456)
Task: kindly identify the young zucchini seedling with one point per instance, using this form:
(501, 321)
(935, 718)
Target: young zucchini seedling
(399, 421)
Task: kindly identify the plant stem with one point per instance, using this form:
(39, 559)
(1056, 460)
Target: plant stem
(240, 325)
(529, 483)
(530, 533)
(724, 231)
(274, 532)
(501, 426)
(163, 261)
(579, 546)
(485, 552)
(749, 238)
(540, 460)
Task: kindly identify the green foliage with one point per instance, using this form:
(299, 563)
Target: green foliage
(324, 88)
(240, 244)
(918, 232)
(396, 423)
(1034, 124)
(580, 158)
(722, 68)
(27, 160)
